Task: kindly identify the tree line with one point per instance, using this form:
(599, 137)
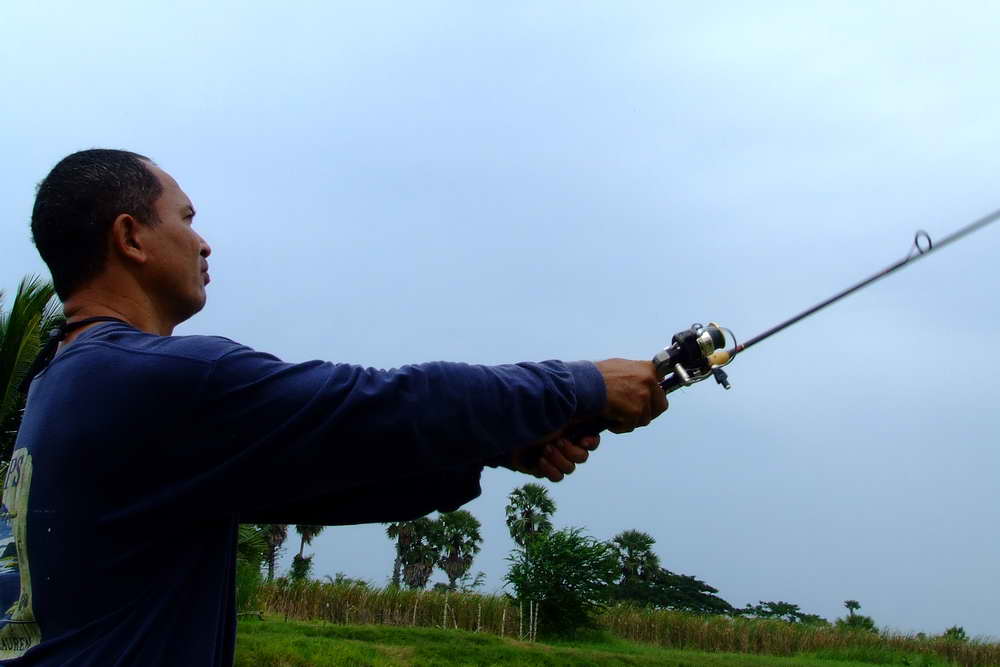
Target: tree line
(569, 575)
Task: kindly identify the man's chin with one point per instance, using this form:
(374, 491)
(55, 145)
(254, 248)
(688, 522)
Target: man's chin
(200, 304)
(193, 308)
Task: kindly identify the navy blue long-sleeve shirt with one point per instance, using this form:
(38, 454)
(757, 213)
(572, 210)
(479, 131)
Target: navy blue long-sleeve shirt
(139, 455)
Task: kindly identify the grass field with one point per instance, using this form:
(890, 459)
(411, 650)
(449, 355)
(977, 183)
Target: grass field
(274, 642)
(711, 637)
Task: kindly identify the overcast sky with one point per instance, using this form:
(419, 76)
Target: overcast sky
(393, 182)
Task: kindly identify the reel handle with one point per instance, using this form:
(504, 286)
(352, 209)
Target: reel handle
(671, 383)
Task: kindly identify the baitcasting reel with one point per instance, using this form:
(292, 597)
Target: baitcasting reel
(694, 355)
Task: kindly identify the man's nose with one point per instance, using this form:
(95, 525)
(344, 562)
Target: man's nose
(206, 249)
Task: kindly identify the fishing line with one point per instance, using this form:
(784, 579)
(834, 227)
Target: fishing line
(700, 352)
(922, 246)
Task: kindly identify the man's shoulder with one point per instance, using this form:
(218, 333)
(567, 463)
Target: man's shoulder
(127, 340)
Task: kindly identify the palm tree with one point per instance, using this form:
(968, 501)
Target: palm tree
(400, 532)
(22, 330)
(302, 565)
(852, 606)
(275, 535)
(418, 545)
(460, 540)
(529, 513)
(308, 534)
(635, 554)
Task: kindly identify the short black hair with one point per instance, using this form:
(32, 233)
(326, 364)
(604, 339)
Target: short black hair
(76, 204)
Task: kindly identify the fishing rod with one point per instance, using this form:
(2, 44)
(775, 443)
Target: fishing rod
(700, 352)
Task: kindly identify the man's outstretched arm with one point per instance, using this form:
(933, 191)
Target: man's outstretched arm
(303, 430)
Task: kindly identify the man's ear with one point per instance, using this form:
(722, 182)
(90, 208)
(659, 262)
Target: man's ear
(128, 239)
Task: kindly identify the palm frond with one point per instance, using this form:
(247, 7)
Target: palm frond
(250, 543)
(308, 532)
(21, 329)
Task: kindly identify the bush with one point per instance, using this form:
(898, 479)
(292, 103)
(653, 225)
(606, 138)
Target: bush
(568, 575)
(301, 567)
(341, 579)
(248, 583)
(857, 623)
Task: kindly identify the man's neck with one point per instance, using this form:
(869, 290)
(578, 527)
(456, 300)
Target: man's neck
(90, 302)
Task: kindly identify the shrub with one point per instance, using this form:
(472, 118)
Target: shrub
(301, 567)
(248, 583)
(568, 575)
(857, 623)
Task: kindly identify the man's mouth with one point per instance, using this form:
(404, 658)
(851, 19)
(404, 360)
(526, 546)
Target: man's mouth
(207, 277)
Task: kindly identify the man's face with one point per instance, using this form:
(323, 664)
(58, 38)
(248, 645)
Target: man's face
(178, 270)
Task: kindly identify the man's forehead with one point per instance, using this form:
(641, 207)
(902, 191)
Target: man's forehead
(172, 193)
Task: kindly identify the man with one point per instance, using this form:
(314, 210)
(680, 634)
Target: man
(140, 452)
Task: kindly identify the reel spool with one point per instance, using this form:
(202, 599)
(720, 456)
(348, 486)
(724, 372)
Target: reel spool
(694, 355)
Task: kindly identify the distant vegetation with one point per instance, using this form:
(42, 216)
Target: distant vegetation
(563, 582)
(353, 604)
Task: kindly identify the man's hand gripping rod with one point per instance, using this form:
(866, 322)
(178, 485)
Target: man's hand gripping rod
(694, 355)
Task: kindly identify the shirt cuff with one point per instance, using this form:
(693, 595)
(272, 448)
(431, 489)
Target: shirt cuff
(591, 392)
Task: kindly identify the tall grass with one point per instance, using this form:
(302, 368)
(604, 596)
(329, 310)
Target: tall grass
(358, 605)
(722, 633)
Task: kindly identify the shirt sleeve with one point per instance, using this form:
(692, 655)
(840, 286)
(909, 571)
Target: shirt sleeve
(403, 499)
(367, 444)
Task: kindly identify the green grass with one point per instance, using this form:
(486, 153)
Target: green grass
(278, 643)
(501, 617)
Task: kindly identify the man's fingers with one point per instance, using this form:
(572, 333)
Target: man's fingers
(574, 453)
(555, 456)
(549, 471)
(646, 415)
(660, 404)
(620, 427)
